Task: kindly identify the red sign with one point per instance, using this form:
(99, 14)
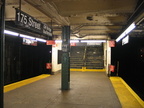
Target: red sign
(112, 68)
(48, 65)
(112, 43)
(50, 42)
(72, 44)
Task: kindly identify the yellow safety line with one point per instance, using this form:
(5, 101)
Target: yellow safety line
(127, 97)
(24, 82)
(92, 70)
(133, 93)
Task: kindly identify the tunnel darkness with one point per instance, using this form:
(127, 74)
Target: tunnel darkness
(131, 63)
(25, 61)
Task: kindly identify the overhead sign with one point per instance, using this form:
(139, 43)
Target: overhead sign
(125, 40)
(50, 42)
(111, 43)
(29, 42)
(29, 22)
(72, 44)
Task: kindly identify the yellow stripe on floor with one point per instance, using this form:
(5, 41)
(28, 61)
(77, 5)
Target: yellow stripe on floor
(24, 82)
(127, 97)
(89, 70)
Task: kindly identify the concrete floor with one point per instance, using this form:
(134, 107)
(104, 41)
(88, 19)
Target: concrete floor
(88, 90)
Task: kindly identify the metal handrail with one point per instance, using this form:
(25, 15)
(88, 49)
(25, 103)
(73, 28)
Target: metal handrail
(84, 56)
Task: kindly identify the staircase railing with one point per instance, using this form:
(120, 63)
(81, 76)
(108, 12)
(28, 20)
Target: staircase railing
(84, 57)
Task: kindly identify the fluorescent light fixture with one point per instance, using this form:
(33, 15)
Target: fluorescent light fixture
(40, 40)
(23, 36)
(130, 28)
(83, 41)
(70, 41)
(26, 36)
(58, 41)
(93, 41)
(11, 33)
(75, 41)
(127, 31)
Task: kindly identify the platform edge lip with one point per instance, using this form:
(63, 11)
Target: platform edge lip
(18, 84)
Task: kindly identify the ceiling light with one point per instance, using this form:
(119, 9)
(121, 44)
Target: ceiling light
(41, 40)
(26, 36)
(58, 41)
(70, 41)
(127, 31)
(93, 41)
(11, 33)
(74, 41)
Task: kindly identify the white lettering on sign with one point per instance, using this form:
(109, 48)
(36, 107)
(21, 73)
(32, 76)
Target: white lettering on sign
(47, 28)
(34, 24)
(46, 32)
(31, 23)
(26, 20)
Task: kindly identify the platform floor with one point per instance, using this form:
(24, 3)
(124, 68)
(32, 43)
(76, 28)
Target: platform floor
(87, 90)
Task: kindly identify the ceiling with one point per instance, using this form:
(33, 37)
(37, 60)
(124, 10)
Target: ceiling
(88, 19)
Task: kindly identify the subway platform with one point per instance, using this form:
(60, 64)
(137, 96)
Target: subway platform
(87, 90)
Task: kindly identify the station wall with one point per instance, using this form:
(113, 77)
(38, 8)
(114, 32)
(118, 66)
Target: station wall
(56, 66)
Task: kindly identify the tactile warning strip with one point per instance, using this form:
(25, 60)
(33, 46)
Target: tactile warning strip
(24, 82)
(127, 97)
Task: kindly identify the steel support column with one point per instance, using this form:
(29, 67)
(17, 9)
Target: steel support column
(65, 84)
(2, 51)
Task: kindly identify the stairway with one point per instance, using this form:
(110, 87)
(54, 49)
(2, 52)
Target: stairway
(76, 57)
(90, 57)
(94, 57)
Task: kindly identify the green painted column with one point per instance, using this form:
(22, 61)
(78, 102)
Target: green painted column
(2, 52)
(65, 83)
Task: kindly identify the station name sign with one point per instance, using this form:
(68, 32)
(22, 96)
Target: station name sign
(29, 22)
